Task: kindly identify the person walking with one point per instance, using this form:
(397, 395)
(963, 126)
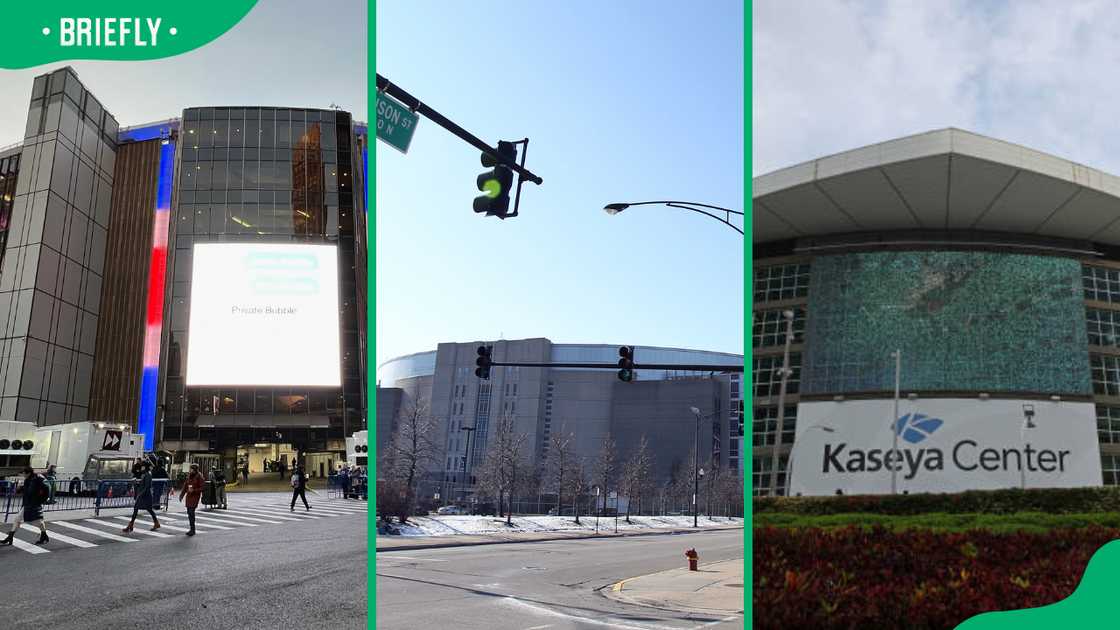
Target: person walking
(35, 494)
(299, 487)
(143, 498)
(245, 473)
(192, 490)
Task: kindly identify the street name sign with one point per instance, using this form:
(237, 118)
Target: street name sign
(395, 123)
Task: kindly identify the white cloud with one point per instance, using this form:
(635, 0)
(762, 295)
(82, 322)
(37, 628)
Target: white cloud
(830, 76)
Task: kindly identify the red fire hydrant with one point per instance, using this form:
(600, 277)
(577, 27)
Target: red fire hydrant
(693, 559)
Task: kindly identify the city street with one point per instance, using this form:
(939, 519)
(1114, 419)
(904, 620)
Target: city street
(303, 572)
(551, 585)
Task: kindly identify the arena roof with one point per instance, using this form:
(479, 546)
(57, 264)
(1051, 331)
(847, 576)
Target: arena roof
(947, 179)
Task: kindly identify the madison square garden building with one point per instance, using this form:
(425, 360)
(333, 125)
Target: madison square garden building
(200, 278)
(993, 271)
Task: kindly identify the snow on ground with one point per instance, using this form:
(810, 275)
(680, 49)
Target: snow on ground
(482, 525)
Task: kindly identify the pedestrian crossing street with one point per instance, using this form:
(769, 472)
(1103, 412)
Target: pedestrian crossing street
(244, 511)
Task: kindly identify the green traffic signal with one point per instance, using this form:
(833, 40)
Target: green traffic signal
(496, 183)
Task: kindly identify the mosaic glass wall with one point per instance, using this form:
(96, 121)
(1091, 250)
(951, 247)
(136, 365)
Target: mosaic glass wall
(973, 321)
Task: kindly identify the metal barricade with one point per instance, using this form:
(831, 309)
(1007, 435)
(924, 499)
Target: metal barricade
(96, 495)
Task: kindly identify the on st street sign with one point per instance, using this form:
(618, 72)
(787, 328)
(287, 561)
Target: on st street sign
(395, 124)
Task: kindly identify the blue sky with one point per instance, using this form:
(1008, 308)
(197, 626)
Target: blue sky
(621, 101)
(284, 52)
(833, 75)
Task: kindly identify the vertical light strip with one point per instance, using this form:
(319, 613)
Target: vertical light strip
(153, 325)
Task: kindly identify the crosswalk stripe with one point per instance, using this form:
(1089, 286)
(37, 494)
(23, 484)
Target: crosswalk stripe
(274, 512)
(28, 547)
(234, 516)
(62, 537)
(255, 512)
(336, 511)
(136, 531)
(95, 532)
(185, 521)
(228, 521)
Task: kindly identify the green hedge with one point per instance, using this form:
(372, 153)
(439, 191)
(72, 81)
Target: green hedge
(1009, 501)
(1036, 522)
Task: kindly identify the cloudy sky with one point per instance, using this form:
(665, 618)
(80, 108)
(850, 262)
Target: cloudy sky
(833, 75)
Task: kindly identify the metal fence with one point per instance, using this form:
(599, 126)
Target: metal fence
(96, 495)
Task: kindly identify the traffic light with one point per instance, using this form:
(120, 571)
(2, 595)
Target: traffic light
(496, 183)
(483, 362)
(626, 364)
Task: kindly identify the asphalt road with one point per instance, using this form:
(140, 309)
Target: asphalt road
(537, 586)
(305, 574)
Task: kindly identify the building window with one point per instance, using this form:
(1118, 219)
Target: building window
(767, 378)
(760, 475)
(1103, 326)
(769, 327)
(781, 282)
(1108, 424)
(766, 425)
(1110, 467)
(1106, 374)
(1101, 284)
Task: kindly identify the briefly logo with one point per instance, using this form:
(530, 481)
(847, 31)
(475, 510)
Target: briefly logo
(915, 427)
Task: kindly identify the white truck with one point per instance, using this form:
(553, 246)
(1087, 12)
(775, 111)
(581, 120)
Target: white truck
(357, 449)
(17, 445)
(86, 451)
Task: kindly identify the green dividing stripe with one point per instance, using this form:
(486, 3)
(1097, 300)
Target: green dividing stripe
(371, 326)
(1091, 605)
(36, 33)
(748, 290)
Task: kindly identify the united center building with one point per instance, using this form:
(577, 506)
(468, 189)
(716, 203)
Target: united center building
(201, 278)
(993, 270)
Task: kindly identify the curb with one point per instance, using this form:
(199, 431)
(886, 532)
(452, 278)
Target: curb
(477, 543)
(614, 592)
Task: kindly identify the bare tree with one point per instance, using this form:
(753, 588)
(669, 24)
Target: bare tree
(504, 466)
(578, 482)
(411, 450)
(636, 474)
(558, 466)
(605, 470)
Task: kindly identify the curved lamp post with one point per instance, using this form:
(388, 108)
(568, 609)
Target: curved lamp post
(700, 208)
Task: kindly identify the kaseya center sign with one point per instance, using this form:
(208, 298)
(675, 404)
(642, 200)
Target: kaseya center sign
(943, 445)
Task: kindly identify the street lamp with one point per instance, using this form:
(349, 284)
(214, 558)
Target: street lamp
(785, 372)
(615, 208)
(897, 355)
(467, 459)
(696, 472)
(796, 443)
(1028, 423)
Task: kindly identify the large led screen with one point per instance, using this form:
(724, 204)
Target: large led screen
(964, 321)
(264, 314)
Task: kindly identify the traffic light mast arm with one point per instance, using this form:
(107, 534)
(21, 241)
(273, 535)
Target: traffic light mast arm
(637, 366)
(414, 104)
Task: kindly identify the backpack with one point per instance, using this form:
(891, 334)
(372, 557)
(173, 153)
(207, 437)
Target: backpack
(295, 481)
(43, 492)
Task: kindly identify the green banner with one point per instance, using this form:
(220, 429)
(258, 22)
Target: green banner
(36, 33)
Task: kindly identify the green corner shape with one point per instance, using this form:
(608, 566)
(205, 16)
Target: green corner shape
(1091, 605)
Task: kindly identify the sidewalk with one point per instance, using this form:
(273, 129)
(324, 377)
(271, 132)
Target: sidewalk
(717, 588)
(397, 543)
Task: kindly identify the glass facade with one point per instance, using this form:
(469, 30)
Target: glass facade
(271, 175)
(9, 170)
(963, 320)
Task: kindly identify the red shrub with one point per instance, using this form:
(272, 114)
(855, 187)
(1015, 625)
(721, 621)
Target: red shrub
(860, 578)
